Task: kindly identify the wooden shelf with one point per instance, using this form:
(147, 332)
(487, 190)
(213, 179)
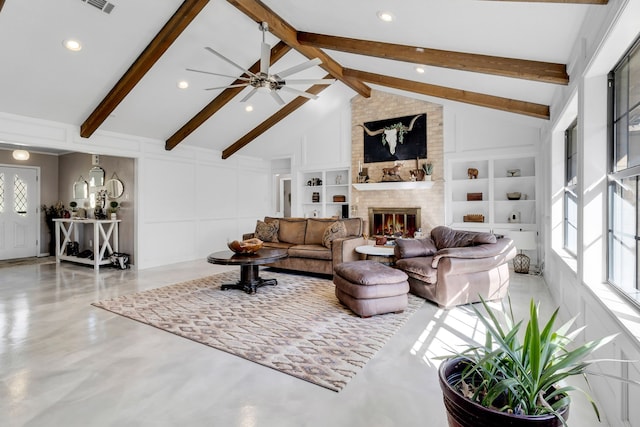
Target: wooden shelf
(405, 185)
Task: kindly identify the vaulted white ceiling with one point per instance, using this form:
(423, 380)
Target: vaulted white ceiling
(40, 78)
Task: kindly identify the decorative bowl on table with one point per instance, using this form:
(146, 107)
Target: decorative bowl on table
(245, 247)
(514, 196)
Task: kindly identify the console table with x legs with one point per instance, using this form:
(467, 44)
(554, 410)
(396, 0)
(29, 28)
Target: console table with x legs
(105, 239)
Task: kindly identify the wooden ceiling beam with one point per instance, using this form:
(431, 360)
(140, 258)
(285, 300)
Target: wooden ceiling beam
(158, 46)
(506, 67)
(259, 12)
(505, 104)
(277, 52)
(1, 4)
(272, 121)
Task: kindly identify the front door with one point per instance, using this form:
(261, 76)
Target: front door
(19, 198)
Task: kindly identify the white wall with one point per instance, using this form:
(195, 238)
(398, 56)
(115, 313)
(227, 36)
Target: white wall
(578, 283)
(189, 201)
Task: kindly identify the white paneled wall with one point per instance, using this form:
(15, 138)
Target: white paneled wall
(190, 202)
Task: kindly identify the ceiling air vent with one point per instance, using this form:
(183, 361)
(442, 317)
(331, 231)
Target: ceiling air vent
(103, 5)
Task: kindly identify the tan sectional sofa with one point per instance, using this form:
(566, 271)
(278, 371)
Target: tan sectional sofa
(302, 237)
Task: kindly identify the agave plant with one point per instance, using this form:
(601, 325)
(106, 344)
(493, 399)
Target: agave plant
(525, 377)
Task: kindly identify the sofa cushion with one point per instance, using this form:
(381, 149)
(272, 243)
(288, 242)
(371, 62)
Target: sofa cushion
(315, 230)
(310, 251)
(419, 268)
(409, 248)
(267, 231)
(292, 230)
(445, 237)
(278, 245)
(369, 273)
(353, 226)
(333, 231)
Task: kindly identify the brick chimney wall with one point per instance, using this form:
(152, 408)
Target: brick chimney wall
(382, 106)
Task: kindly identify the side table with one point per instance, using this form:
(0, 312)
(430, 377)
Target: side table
(382, 254)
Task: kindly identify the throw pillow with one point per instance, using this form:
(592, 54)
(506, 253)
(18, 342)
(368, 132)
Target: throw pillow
(267, 232)
(334, 231)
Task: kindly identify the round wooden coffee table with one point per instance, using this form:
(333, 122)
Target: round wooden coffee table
(249, 267)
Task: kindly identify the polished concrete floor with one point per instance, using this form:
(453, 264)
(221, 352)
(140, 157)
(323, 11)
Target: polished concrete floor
(66, 363)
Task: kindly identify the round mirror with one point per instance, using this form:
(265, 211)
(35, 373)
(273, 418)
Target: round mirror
(114, 188)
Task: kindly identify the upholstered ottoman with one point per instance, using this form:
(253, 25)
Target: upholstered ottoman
(369, 288)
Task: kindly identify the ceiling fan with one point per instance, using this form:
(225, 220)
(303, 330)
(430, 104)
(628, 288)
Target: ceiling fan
(263, 81)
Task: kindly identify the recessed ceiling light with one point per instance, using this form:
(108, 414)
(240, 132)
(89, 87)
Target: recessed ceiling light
(419, 69)
(183, 84)
(72, 45)
(248, 108)
(385, 16)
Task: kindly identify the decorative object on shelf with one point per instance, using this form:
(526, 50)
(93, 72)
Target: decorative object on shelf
(473, 218)
(514, 195)
(402, 138)
(514, 217)
(428, 170)
(472, 173)
(392, 174)
(315, 197)
(338, 179)
(381, 240)
(513, 172)
(74, 208)
(339, 199)
(472, 197)
(245, 247)
(524, 241)
(314, 182)
(363, 175)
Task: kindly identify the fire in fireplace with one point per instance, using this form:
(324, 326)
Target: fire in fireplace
(394, 222)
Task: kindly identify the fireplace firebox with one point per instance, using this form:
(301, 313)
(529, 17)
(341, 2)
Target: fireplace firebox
(394, 222)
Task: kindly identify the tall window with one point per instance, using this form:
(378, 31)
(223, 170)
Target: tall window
(570, 196)
(624, 233)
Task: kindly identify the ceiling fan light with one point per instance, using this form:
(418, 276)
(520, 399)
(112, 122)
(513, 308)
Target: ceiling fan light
(264, 89)
(20, 155)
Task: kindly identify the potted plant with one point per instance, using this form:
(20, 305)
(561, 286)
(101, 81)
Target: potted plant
(428, 170)
(113, 208)
(509, 382)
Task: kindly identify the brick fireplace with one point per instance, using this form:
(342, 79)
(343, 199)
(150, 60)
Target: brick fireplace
(430, 202)
(394, 222)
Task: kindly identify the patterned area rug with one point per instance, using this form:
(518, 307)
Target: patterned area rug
(297, 327)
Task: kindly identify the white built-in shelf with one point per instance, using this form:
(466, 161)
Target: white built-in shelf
(404, 185)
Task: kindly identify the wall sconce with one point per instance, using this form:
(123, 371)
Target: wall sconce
(21, 155)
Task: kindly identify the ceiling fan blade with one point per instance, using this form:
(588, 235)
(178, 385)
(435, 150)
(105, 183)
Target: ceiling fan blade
(249, 95)
(217, 74)
(227, 87)
(219, 55)
(299, 67)
(277, 97)
(265, 54)
(299, 92)
(310, 82)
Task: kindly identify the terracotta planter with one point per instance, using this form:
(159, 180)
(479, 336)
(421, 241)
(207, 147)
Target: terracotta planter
(462, 412)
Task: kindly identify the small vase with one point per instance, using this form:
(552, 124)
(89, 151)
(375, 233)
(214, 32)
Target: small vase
(427, 177)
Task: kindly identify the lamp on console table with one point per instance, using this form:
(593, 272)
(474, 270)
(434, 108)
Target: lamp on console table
(524, 241)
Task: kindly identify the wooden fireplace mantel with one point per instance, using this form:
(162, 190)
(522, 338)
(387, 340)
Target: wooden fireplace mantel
(404, 185)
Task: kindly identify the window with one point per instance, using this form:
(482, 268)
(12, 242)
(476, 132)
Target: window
(19, 196)
(570, 196)
(624, 235)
